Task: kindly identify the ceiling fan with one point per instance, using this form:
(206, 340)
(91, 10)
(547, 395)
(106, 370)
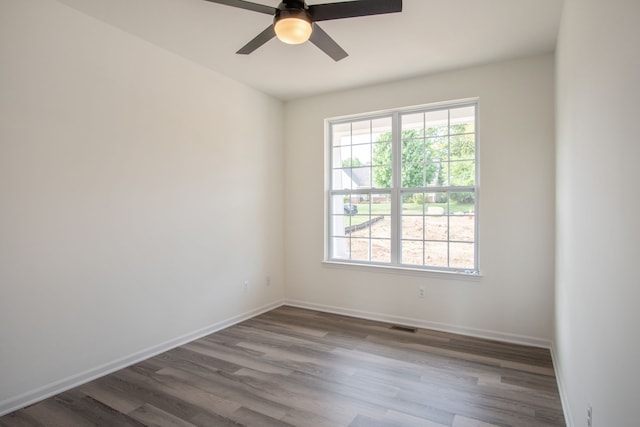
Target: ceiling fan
(294, 21)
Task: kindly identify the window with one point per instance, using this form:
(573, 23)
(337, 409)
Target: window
(403, 188)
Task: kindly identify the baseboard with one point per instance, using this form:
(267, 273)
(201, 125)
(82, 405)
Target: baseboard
(418, 323)
(33, 396)
(564, 398)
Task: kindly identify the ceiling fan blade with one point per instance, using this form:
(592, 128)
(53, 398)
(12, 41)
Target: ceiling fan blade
(352, 9)
(327, 44)
(247, 5)
(258, 41)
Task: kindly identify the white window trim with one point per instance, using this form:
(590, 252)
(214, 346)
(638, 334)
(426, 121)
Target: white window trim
(395, 266)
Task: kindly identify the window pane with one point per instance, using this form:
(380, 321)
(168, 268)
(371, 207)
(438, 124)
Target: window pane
(463, 147)
(381, 153)
(381, 227)
(463, 173)
(341, 248)
(340, 180)
(361, 132)
(413, 150)
(437, 149)
(441, 175)
(381, 176)
(337, 204)
(412, 252)
(463, 120)
(413, 203)
(412, 216)
(371, 224)
(462, 201)
(437, 203)
(341, 134)
(382, 126)
(435, 174)
(412, 122)
(381, 250)
(358, 225)
(413, 158)
(381, 204)
(361, 155)
(362, 204)
(360, 177)
(437, 123)
(436, 254)
(413, 227)
(462, 255)
(341, 215)
(462, 228)
(413, 175)
(360, 249)
(437, 227)
(339, 157)
(340, 224)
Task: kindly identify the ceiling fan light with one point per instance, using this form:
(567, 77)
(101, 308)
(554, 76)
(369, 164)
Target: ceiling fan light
(293, 30)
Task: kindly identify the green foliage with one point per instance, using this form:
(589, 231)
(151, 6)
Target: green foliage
(418, 198)
(465, 197)
(425, 156)
(462, 147)
(382, 156)
(417, 170)
(428, 198)
(463, 171)
(351, 162)
(442, 197)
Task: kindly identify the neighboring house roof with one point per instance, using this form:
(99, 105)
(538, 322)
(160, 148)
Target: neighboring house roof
(361, 177)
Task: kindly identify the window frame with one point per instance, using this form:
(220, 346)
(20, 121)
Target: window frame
(396, 190)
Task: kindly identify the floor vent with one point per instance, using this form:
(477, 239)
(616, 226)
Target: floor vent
(404, 328)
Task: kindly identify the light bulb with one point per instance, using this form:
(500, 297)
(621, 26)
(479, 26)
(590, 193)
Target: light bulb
(293, 30)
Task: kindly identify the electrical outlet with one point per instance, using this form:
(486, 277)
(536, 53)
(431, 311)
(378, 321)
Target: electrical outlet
(246, 285)
(589, 416)
(421, 291)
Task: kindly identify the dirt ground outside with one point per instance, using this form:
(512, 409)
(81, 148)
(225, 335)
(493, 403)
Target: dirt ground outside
(423, 241)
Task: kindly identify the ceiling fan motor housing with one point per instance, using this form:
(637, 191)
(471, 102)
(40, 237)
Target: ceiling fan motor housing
(292, 4)
(292, 9)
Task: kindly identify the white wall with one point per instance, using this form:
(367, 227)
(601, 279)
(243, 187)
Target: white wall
(138, 191)
(514, 298)
(596, 336)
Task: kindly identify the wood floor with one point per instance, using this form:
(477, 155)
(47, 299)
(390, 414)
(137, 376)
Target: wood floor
(304, 368)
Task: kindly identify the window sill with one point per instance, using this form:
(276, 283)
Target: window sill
(407, 271)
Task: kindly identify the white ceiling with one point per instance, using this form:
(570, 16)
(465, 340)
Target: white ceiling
(428, 36)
